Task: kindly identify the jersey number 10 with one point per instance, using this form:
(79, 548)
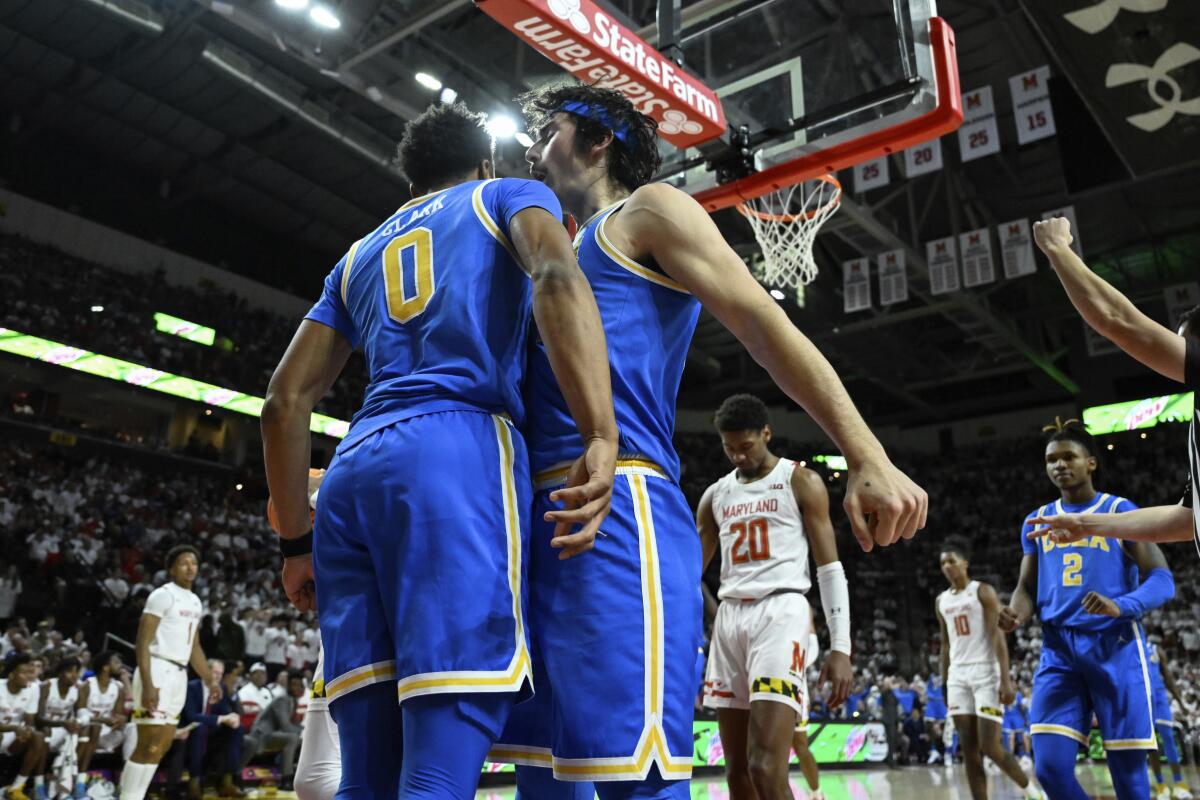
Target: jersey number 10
(962, 625)
(755, 532)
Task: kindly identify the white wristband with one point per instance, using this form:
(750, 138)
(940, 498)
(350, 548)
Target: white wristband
(835, 599)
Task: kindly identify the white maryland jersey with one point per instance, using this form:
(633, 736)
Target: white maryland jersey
(970, 642)
(101, 704)
(764, 549)
(60, 707)
(15, 705)
(180, 612)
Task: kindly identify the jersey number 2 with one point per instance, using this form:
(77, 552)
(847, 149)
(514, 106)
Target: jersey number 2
(760, 547)
(1072, 563)
(401, 306)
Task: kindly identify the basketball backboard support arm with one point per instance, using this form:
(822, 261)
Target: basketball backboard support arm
(670, 23)
(853, 147)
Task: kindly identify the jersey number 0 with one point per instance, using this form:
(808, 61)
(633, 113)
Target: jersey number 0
(401, 306)
(755, 532)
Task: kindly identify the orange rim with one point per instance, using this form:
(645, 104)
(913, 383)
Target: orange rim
(747, 211)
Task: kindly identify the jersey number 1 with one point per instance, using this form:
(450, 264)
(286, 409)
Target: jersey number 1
(401, 306)
(756, 532)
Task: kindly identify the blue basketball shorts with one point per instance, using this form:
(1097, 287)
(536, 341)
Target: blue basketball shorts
(1107, 672)
(1160, 703)
(614, 635)
(419, 547)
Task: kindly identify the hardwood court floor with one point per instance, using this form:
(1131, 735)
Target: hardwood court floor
(908, 783)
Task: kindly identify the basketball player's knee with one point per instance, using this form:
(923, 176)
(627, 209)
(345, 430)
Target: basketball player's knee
(994, 750)
(316, 784)
(765, 768)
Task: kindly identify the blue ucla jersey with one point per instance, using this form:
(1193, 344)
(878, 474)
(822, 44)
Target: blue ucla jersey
(439, 304)
(648, 322)
(1067, 572)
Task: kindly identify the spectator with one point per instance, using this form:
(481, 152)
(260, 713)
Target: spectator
(217, 733)
(10, 593)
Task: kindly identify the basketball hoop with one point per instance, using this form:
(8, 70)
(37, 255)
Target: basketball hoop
(786, 222)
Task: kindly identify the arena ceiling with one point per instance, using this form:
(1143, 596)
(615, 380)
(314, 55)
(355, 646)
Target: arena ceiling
(239, 134)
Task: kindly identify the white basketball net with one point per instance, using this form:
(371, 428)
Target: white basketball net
(786, 223)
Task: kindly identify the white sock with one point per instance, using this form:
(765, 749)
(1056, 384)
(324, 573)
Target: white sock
(19, 782)
(39, 780)
(135, 780)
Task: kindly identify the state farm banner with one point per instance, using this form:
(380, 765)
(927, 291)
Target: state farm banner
(585, 41)
(1031, 105)
(1016, 248)
(893, 279)
(856, 284)
(871, 175)
(942, 257)
(923, 158)
(978, 267)
(978, 135)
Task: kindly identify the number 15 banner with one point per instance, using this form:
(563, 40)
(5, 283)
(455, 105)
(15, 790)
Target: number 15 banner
(1031, 105)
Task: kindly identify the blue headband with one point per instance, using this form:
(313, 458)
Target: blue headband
(620, 130)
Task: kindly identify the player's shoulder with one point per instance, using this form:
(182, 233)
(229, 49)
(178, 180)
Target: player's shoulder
(1118, 504)
(661, 198)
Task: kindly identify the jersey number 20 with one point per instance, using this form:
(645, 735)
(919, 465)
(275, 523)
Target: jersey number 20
(756, 532)
(401, 306)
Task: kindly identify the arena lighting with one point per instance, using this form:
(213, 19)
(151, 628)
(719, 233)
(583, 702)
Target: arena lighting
(1138, 414)
(238, 487)
(208, 412)
(97, 309)
(832, 462)
(115, 369)
(292, 5)
(449, 95)
(428, 81)
(201, 334)
(778, 295)
(523, 139)
(324, 17)
(502, 127)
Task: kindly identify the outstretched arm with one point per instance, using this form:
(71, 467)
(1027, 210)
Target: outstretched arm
(991, 619)
(1152, 524)
(668, 226)
(1109, 312)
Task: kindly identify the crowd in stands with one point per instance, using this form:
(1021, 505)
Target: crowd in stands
(47, 293)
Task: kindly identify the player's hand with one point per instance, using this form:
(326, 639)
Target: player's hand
(1096, 603)
(298, 582)
(586, 498)
(1060, 528)
(839, 674)
(150, 698)
(229, 720)
(884, 505)
(1008, 620)
(1008, 692)
(182, 734)
(1052, 234)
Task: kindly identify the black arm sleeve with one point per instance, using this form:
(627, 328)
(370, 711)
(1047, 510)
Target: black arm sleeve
(1191, 363)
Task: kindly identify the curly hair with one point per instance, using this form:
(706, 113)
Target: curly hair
(632, 162)
(442, 145)
(742, 412)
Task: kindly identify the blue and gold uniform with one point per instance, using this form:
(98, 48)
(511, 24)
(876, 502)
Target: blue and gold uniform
(422, 530)
(1089, 662)
(615, 630)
